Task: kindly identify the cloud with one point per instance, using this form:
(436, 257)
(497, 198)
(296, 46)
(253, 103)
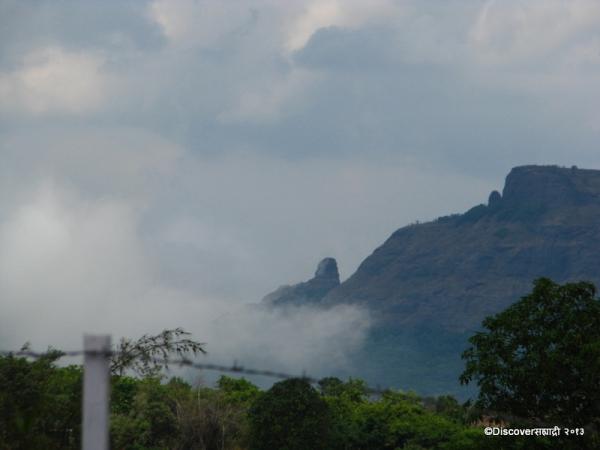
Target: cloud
(317, 15)
(200, 23)
(164, 163)
(438, 81)
(320, 341)
(271, 103)
(113, 26)
(52, 80)
(129, 234)
(69, 265)
(120, 162)
(65, 263)
(97, 244)
(515, 32)
(345, 49)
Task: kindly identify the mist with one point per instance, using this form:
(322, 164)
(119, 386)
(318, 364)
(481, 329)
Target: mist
(107, 239)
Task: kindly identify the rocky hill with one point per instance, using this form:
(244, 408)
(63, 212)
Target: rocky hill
(431, 284)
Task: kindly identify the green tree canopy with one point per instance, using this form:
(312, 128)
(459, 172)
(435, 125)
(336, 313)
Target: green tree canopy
(238, 390)
(540, 358)
(40, 404)
(290, 416)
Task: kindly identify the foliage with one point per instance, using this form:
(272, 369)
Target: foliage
(39, 404)
(146, 356)
(354, 390)
(394, 420)
(398, 420)
(343, 399)
(290, 416)
(150, 421)
(173, 415)
(238, 391)
(540, 358)
(211, 419)
(40, 408)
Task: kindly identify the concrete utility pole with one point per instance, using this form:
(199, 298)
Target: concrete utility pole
(96, 391)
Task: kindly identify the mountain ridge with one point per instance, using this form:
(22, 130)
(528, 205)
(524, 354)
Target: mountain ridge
(479, 262)
(429, 285)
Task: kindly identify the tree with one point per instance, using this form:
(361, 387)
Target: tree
(40, 404)
(211, 419)
(147, 355)
(345, 400)
(238, 390)
(540, 358)
(354, 390)
(290, 416)
(399, 420)
(150, 422)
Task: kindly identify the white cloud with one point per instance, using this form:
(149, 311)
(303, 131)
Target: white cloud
(270, 102)
(200, 23)
(118, 161)
(70, 266)
(320, 341)
(73, 262)
(513, 31)
(65, 263)
(53, 80)
(328, 13)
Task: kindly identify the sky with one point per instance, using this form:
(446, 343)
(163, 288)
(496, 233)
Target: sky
(164, 163)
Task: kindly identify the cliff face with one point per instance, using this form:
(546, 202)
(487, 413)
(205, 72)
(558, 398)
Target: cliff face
(453, 272)
(550, 187)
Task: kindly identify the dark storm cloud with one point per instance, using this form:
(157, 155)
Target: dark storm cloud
(447, 84)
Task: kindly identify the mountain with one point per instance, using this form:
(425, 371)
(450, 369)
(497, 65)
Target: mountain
(312, 291)
(455, 271)
(430, 285)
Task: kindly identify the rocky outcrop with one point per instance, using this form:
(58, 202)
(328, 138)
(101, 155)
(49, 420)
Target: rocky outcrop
(550, 187)
(494, 200)
(312, 291)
